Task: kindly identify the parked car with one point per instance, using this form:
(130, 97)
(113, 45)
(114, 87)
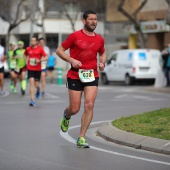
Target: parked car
(132, 65)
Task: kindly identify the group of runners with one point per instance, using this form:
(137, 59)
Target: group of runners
(83, 76)
(29, 63)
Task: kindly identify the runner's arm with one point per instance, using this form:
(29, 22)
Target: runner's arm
(102, 60)
(61, 53)
(44, 58)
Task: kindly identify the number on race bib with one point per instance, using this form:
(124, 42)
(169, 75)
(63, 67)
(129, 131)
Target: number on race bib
(86, 75)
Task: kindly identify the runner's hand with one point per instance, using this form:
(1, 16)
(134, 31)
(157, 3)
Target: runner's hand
(37, 61)
(75, 63)
(101, 66)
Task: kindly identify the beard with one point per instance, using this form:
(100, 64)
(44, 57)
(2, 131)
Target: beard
(89, 29)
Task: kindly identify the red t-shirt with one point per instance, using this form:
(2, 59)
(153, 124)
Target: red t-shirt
(84, 48)
(34, 53)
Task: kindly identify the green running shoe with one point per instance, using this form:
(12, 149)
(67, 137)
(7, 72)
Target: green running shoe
(64, 122)
(81, 143)
(14, 90)
(11, 86)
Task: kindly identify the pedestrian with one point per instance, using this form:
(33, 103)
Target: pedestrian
(42, 43)
(12, 64)
(166, 63)
(83, 75)
(34, 56)
(50, 67)
(21, 67)
(2, 59)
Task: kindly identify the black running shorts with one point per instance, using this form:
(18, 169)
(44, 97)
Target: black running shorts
(2, 70)
(77, 85)
(34, 74)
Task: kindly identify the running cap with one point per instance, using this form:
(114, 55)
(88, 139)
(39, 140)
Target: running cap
(21, 42)
(12, 43)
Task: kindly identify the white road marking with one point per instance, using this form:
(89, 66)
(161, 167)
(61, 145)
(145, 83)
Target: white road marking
(71, 140)
(167, 144)
(134, 97)
(24, 102)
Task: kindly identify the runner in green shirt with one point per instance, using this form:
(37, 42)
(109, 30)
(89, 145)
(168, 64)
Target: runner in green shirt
(12, 66)
(21, 65)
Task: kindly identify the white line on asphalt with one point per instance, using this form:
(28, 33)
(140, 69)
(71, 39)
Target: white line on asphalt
(23, 102)
(70, 139)
(167, 144)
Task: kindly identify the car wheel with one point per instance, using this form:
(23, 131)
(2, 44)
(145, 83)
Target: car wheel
(104, 79)
(128, 80)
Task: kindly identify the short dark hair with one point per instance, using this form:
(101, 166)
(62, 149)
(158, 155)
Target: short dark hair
(35, 37)
(41, 39)
(86, 13)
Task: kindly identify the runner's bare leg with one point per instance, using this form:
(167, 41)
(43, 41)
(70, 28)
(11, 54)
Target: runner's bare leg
(32, 82)
(75, 103)
(90, 93)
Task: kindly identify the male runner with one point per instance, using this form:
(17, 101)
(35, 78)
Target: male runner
(83, 75)
(12, 64)
(21, 65)
(34, 56)
(2, 59)
(43, 65)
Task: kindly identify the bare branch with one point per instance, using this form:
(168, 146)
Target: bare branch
(125, 13)
(168, 1)
(22, 20)
(140, 7)
(18, 10)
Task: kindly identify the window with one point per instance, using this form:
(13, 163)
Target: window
(112, 58)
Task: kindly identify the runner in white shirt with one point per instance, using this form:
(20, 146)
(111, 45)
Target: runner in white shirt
(2, 58)
(43, 66)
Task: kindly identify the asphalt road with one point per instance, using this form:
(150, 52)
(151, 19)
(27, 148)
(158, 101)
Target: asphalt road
(30, 138)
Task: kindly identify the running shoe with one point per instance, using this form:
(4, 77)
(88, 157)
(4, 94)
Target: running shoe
(14, 90)
(42, 94)
(32, 103)
(11, 86)
(2, 92)
(37, 94)
(22, 91)
(81, 143)
(64, 122)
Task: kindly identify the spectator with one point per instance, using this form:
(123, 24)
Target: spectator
(50, 66)
(166, 63)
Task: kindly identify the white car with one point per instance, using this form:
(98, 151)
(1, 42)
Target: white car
(132, 65)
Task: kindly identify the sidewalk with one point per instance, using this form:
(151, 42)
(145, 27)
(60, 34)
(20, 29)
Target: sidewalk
(121, 137)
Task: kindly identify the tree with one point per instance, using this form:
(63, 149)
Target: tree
(73, 8)
(14, 12)
(168, 15)
(133, 18)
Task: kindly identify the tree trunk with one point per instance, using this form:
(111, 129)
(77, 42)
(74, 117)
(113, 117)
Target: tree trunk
(7, 38)
(140, 35)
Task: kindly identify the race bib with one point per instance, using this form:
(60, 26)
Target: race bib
(43, 65)
(86, 75)
(13, 64)
(32, 62)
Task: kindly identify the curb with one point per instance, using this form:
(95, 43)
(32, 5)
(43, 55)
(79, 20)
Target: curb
(121, 137)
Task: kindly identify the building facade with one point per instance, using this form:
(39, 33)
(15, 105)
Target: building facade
(152, 18)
